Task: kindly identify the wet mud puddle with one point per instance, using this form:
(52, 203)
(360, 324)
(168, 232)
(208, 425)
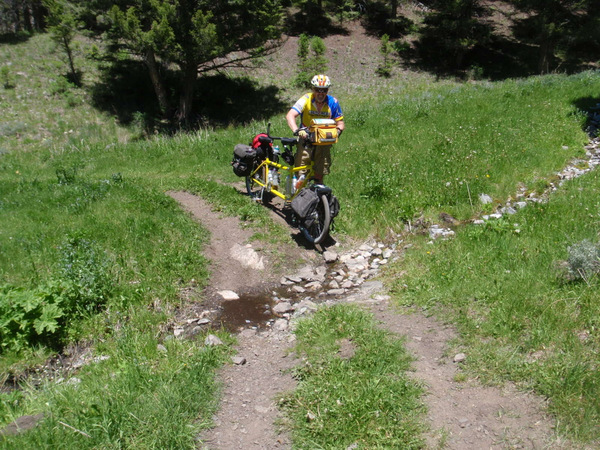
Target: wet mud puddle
(254, 310)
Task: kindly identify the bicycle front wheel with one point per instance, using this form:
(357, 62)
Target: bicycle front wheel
(255, 190)
(318, 231)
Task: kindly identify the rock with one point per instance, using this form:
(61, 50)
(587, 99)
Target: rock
(306, 273)
(280, 325)
(194, 331)
(307, 305)
(448, 219)
(21, 424)
(248, 332)
(314, 286)
(371, 287)
(336, 291)
(212, 340)
(330, 256)
(161, 348)
(436, 232)
(73, 381)
(285, 281)
(294, 279)
(298, 289)
(228, 295)
(460, 357)
(485, 199)
(247, 256)
(282, 308)
(238, 360)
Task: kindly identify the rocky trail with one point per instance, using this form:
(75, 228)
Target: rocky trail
(461, 414)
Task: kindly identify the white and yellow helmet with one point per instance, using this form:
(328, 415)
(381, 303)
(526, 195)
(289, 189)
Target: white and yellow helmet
(320, 81)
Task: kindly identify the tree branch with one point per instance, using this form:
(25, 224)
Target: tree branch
(238, 61)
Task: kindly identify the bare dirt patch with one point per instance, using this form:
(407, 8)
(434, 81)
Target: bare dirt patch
(466, 414)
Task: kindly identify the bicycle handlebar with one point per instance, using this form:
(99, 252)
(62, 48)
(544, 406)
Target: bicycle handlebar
(269, 139)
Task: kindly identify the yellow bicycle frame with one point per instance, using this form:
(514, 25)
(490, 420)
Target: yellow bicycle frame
(290, 171)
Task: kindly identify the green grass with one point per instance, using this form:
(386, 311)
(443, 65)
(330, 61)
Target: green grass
(519, 314)
(362, 398)
(137, 396)
(437, 149)
(411, 147)
(40, 109)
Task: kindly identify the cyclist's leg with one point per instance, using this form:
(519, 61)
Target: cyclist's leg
(303, 156)
(322, 158)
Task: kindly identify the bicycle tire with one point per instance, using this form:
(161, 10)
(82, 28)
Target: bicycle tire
(254, 189)
(319, 230)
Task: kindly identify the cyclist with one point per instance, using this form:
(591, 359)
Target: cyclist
(316, 104)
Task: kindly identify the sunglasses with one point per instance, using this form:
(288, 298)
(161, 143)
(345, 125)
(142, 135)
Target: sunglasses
(321, 91)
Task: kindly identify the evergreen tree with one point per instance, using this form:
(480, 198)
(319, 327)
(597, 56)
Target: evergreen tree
(451, 30)
(554, 26)
(386, 48)
(22, 15)
(62, 25)
(191, 35)
(311, 59)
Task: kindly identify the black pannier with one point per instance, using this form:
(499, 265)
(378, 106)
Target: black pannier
(244, 158)
(305, 205)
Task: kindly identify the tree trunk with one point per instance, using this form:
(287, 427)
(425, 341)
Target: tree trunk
(159, 89)
(70, 56)
(39, 16)
(27, 18)
(190, 74)
(394, 9)
(18, 23)
(546, 51)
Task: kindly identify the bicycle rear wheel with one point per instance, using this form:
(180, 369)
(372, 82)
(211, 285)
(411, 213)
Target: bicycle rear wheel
(254, 189)
(318, 231)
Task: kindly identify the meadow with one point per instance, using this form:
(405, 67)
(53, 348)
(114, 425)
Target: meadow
(89, 242)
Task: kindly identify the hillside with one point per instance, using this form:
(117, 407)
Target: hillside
(487, 339)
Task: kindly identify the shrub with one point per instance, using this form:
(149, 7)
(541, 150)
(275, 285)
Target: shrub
(311, 59)
(87, 270)
(6, 78)
(583, 259)
(33, 317)
(385, 68)
(42, 316)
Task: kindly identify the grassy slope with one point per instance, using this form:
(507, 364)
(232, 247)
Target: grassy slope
(424, 149)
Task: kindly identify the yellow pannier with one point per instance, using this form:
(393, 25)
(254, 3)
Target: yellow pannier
(323, 132)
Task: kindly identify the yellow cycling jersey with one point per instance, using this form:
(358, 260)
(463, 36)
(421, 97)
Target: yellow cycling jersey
(306, 107)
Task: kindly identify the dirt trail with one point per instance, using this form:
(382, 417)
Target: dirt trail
(461, 415)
